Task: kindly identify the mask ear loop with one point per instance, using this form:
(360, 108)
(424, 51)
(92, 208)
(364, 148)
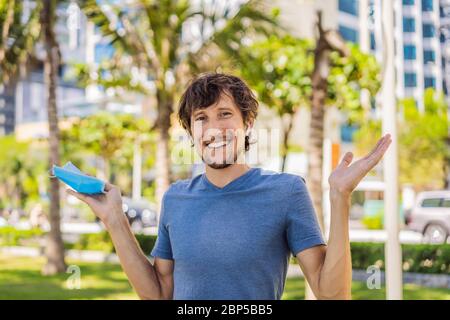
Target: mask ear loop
(51, 173)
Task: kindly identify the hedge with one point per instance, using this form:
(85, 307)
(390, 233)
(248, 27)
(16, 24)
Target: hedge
(102, 241)
(10, 236)
(421, 258)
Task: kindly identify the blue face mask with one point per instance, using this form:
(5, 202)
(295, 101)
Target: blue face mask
(77, 180)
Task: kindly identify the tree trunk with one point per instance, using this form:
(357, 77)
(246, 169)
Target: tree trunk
(7, 22)
(162, 165)
(54, 248)
(286, 134)
(318, 99)
(316, 135)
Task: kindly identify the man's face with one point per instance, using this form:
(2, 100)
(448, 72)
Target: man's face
(219, 133)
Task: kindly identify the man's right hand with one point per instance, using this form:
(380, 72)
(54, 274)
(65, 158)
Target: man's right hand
(107, 207)
(150, 282)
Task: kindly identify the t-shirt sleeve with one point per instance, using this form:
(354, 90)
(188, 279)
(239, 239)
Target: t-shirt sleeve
(302, 228)
(163, 247)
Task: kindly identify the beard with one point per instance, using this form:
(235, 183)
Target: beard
(226, 162)
(223, 165)
(219, 166)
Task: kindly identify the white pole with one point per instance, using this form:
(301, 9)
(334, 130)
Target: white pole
(364, 33)
(393, 251)
(364, 45)
(137, 170)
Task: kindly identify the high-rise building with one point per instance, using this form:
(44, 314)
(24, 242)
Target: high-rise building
(422, 35)
(421, 55)
(23, 104)
(7, 114)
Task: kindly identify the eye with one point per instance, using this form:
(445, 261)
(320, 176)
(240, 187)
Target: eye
(226, 114)
(200, 118)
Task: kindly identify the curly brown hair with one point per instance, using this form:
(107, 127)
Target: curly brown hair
(206, 89)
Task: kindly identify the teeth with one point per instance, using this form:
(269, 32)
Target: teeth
(219, 144)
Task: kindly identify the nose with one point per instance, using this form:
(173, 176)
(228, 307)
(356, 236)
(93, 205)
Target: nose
(213, 130)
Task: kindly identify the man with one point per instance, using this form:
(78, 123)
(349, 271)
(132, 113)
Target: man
(229, 233)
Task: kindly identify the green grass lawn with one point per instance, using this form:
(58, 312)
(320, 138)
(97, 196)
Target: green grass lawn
(20, 278)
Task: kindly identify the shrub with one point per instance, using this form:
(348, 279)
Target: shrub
(420, 258)
(10, 236)
(102, 241)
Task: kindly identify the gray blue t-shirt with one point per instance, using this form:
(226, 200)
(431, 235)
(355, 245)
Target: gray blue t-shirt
(235, 242)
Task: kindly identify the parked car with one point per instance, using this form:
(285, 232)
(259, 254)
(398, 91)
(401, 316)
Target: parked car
(431, 216)
(140, 213)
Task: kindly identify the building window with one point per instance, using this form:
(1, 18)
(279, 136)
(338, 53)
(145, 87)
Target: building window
(348, 34)
(349, 6)
(408, 2)
(428, 31)
(442, 37)
(409, 52)
(427, 5)
(409, 25)
(410, 80)
(441, 12)
(429, 56)
(372, 41)
(430, 82)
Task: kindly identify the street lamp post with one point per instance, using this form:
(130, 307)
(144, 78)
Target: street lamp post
(393, 251)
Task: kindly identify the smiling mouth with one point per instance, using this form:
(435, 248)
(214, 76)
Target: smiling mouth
(216, 145)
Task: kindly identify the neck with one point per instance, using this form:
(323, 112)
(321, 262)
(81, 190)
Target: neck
(222, 177)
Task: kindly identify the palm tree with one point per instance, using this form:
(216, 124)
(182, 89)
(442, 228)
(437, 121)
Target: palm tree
(17, 37)
(167, 39)
(54, 248)
(328, 41)
(16, 48)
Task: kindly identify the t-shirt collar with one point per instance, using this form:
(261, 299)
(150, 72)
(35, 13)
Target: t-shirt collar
(229, 186)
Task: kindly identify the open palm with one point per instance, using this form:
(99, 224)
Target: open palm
(346, 176)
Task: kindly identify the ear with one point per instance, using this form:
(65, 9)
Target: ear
(248, 127)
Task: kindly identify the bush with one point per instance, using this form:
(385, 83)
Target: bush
(102, 241)
(420, 258)
(10, 236)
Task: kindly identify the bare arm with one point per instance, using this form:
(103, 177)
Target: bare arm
(328, 269)
(149, 281)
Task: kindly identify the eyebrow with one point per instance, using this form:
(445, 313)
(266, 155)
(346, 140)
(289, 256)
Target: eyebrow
(200, 111)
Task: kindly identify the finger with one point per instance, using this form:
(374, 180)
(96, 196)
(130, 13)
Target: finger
(380, 141)
(346, 160)
(108, 186)
(376, 156)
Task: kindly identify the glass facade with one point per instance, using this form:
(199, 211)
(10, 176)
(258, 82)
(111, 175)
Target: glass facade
(409, 24)
(349, 34)
(430, 82)
(409, 52)
(349, 6)
(427, 5)
(429, 56)
(410, 80)
(428, 30)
